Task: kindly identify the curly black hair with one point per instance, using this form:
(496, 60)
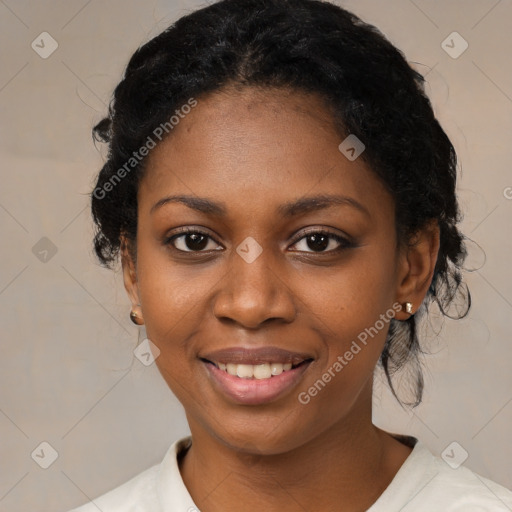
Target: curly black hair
(310, 46)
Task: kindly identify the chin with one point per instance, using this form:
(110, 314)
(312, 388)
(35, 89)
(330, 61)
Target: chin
(268, 436)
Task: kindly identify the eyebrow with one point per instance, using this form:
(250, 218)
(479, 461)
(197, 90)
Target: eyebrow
(290, 209)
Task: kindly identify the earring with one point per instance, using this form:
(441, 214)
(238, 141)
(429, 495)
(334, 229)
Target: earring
(408, 307)
(135, 318)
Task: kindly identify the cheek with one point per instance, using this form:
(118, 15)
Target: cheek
(173, 300)
(353, 342)
(351, 310)
(169, 292)
(352, 296)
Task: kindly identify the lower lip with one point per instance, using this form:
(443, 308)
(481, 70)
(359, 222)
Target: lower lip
(255, 391)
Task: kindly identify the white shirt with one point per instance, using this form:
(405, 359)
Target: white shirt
(424, 483)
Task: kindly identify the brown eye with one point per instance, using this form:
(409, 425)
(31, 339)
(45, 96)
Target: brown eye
(320, 241)
(191, 241)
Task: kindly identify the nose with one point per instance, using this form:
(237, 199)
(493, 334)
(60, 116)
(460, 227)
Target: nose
(254, 293)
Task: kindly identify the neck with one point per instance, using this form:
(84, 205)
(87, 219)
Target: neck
(345, 468)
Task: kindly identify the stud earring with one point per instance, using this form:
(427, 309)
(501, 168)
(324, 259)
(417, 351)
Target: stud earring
(135, 318)
(408, 307)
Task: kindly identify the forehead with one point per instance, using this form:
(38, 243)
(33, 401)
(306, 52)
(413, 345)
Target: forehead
(237, 102)
(252, 143)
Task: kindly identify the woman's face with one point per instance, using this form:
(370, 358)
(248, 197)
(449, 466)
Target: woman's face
(265, 269)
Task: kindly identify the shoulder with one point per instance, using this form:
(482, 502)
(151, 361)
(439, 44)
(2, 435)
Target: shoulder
(135, 495)
(426, 482)
(464, 490)
(142, 493)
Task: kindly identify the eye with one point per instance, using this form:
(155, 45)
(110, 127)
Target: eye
(191, 240)
(320, 240)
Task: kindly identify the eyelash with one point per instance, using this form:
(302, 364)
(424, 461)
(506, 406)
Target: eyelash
(344, 243)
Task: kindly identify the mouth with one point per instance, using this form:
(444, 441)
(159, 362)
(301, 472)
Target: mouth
(266, 370)
(255, 376)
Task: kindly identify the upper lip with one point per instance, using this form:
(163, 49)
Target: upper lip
(261, 355)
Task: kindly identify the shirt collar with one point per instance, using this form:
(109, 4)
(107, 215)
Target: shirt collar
(171, 490)
(173, 494)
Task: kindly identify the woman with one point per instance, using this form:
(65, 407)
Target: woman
(283, 202)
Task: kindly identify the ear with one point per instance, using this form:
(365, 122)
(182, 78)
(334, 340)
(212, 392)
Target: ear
(416, 267)
(129, 272)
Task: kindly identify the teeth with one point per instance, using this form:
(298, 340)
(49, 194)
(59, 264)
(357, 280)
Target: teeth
(245, 371)
(262, 371)
(257, 371)
(276, 368)
(231, 368)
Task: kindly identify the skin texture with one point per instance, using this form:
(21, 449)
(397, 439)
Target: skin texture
(254, 150)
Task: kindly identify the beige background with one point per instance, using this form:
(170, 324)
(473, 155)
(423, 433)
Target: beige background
(67, 372)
